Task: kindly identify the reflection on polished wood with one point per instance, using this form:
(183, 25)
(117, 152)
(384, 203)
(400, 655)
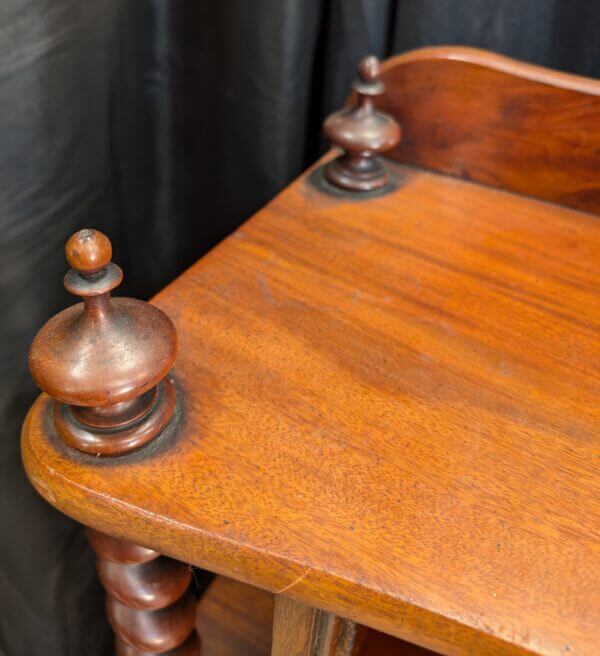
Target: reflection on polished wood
(487, 118)
(149, 602)
(391, 413)
(105, 361)
(388, 404)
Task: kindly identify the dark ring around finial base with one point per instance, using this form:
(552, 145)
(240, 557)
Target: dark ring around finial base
(368, 175)
(319, 181)
(116, 442)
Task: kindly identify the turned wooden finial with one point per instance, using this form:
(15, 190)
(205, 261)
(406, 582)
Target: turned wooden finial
(105, 361)
(362, 133)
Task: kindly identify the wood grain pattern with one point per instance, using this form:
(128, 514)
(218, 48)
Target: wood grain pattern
(494, 120)
(300, 630)
(297, 629)
(235, 619)
(389, 412)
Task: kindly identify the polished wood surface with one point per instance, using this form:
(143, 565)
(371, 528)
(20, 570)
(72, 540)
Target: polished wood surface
(235, 619)
(150, 605)
(494, 120)
(105, 361)
(361, 132)
(300, 630)
(389, 412)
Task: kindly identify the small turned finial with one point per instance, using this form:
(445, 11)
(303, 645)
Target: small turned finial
(369, 69)
(361, 132)
(105, 361)
(88, 251)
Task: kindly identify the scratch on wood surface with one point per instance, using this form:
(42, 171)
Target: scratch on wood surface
(293, 583)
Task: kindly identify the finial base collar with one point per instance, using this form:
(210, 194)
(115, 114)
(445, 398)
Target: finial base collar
(118, 439)
(356, 174)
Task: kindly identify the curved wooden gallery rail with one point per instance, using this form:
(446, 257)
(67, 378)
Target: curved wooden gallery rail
(490, 119)
(383, 409)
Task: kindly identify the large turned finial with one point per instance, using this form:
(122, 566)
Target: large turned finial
(105, 361)
(362, 132)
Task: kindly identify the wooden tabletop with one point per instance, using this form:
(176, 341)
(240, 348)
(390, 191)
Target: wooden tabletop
(389, 412)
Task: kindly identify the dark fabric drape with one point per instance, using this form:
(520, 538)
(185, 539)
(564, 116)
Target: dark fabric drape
(166, 124)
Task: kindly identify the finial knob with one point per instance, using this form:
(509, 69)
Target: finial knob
(369, 69)
(361, 132)
(88, 251)
(105, 361)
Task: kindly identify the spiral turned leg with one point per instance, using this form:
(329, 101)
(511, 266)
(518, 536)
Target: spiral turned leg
(149, 602)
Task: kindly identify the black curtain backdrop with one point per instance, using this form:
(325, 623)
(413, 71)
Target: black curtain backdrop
(166, 124)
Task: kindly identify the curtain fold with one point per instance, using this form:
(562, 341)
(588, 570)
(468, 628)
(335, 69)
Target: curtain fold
(166, 124)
